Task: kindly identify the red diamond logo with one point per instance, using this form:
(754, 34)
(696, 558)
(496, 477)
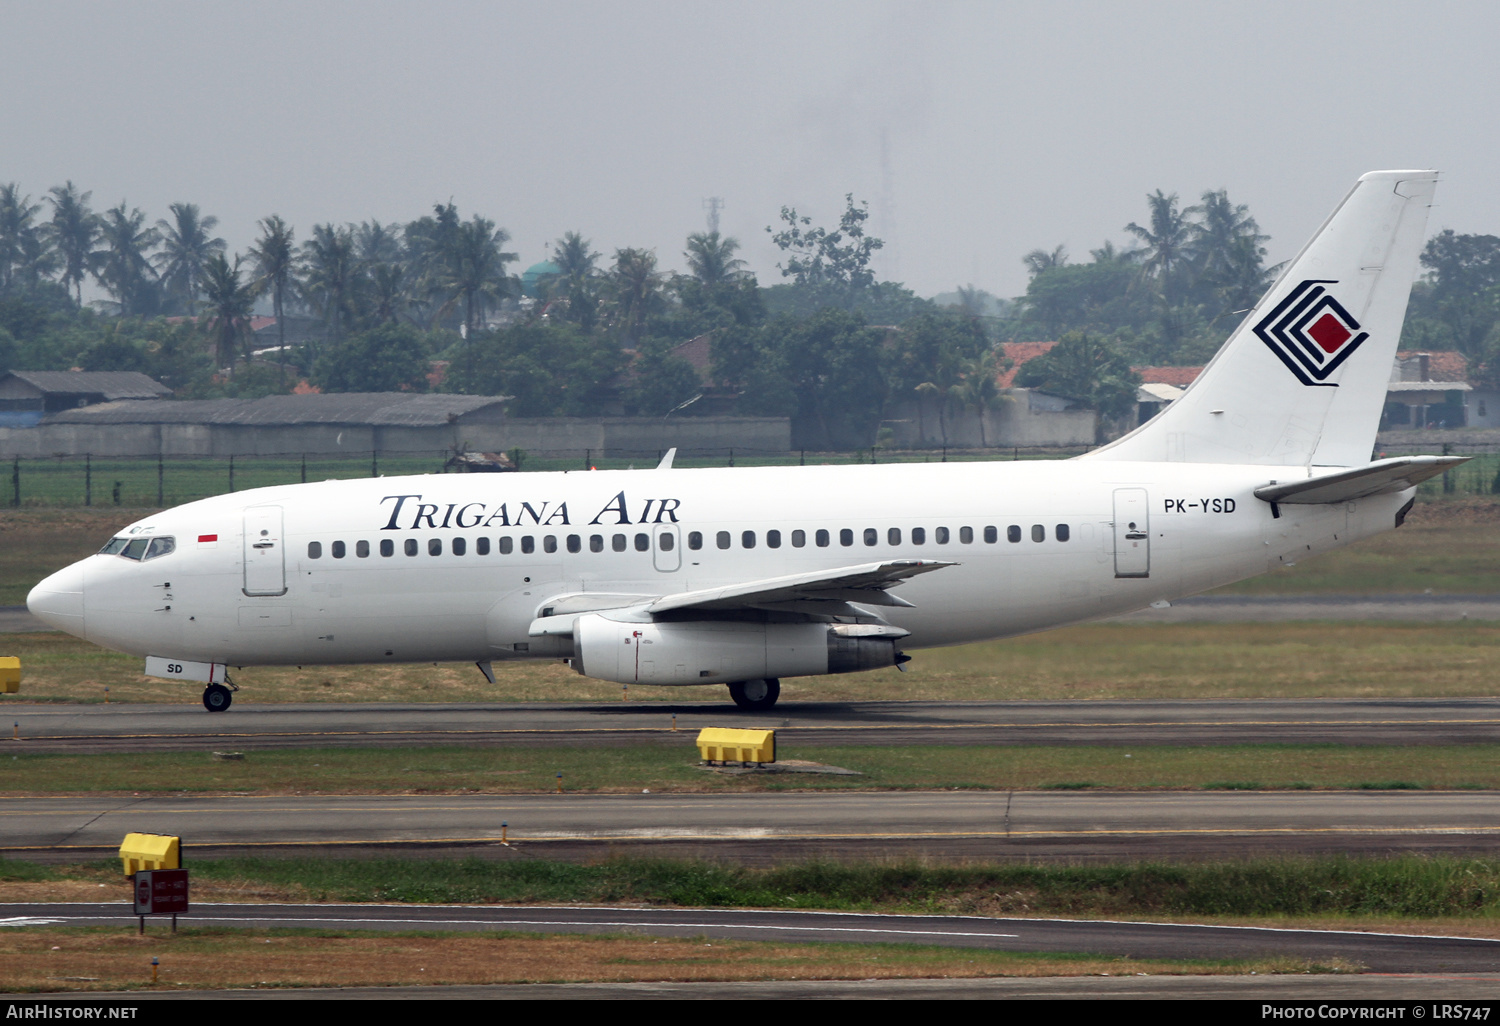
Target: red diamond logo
(1329, 333)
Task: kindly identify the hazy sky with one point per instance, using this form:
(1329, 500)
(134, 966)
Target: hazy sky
(977, 131)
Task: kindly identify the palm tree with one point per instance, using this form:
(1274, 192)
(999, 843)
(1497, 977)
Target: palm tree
(1168, 242)
(185, 248)
(577, 269)
(474, 268)
(23, 246)
(74, 230)
(978, 387)
(123, 268)
(275, 257)
(329, 270)
(229, 304)
(636, 285)
(1039, 260)
(711, 258)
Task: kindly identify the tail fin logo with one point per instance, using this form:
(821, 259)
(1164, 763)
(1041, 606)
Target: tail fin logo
(1311, 333)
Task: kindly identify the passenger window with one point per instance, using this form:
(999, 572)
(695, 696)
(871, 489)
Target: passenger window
(337, 549)
(773, 539)
(1062, 532)
(871, 536)
(507, 545)
(1013, 533)
(387, 547)
(160, 547)
(460, 546)
(642, 542)
(411, 546)
(893, 536)
(722, 539)
(695, 540)
(549, 543)
(665, 541)
(362, 549)
(1038, 533)
(919, 536)
(481, 546)
(846, 536)
(596, 543)
(747, 539)
(314, 550)
(991, 535)
(966, 535)
(799, 539)
(528, 544)
(434, 546)
(822, 539)
(940, 535)
(617, 542)
(575, 543)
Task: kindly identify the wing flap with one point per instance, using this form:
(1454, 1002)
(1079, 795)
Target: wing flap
(1382, 476)
(864, 582)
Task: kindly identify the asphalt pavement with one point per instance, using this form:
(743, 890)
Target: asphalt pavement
(1376, 952)
(248, 726)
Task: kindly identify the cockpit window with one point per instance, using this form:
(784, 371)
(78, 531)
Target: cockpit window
(113, 546)
(136, 548)
(160, 547)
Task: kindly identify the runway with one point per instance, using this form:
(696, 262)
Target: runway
(247, 726)
(999, 822)
(1374, 951)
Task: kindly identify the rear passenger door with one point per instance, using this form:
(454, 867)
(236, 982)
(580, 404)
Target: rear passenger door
(1132, 533)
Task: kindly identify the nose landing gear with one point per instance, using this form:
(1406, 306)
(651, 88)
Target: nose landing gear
(216, 698)
(755, 695)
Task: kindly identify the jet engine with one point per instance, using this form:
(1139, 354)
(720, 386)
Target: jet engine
(720, 651)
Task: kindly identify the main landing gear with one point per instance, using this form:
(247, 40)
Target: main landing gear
(216, 698)
(755, 695)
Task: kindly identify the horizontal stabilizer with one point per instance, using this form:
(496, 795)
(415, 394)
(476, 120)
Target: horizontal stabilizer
(1378, 478)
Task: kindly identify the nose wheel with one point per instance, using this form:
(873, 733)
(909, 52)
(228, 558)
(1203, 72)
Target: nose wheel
(216, 698)
(755, 695)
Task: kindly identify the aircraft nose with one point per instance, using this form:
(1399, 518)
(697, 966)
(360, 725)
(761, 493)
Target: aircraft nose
(58, 600)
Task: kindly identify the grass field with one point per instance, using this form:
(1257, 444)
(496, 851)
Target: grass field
(1207, 660)
(673, 767)
(105, 959)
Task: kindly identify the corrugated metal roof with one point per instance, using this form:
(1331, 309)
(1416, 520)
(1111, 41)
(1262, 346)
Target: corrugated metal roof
(371, 408)
(110, 384)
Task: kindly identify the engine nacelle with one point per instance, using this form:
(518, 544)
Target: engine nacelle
(720, 651)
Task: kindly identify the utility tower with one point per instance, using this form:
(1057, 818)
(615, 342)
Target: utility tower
(713, 205)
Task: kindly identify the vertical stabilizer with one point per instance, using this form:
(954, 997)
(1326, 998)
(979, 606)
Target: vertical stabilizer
(1302, 380)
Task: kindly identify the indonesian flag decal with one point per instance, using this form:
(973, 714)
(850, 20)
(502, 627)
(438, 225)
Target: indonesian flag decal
(207, 541)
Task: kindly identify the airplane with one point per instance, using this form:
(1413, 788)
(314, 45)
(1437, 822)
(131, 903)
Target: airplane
(741, 577)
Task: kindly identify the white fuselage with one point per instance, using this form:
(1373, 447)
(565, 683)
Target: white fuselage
(255, 578)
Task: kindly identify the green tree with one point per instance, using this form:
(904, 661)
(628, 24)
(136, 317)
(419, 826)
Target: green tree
(186, 246)
(1087, 369)
(74, 230)
(1167, 244)
(123, 267)
(660, 380)
(818, 257)
(25, 255)
(330, 272)
(387, 358)
(711, 258)
(275, 257)
(636, 291)
(230, 302)
(473, 268)
(550, 369)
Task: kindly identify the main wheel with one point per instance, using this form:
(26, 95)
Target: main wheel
(755, 695)
(216, 698)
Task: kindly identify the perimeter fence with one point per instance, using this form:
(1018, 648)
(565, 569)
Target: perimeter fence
(157, 482)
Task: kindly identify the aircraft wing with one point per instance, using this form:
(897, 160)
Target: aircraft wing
(1382, 476)
(866, 583)
(822, 593)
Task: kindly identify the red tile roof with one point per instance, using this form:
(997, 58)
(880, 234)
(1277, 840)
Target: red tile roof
(1442, 365)
(1182, 377)
(1018, 353)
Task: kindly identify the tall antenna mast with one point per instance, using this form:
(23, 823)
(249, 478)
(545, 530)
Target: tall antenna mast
(713, 205)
